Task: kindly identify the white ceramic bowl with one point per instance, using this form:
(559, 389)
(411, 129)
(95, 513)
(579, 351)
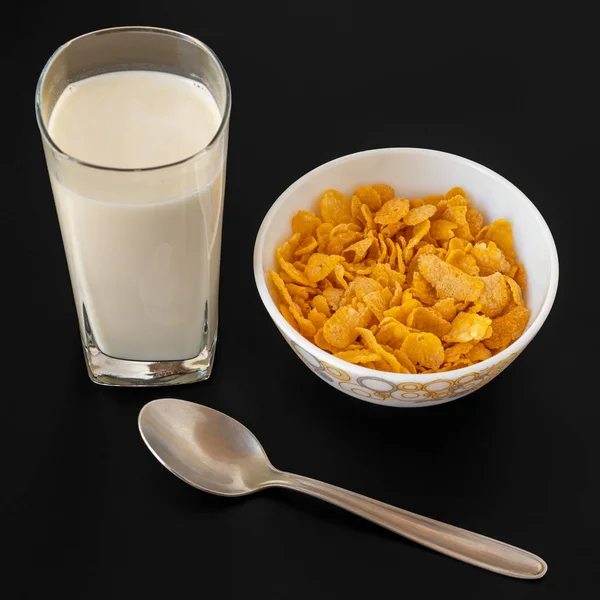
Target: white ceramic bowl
(413, 172)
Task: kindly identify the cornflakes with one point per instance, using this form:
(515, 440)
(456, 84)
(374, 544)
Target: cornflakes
(478, 353)
(392, 211)
(371, 343)
(378, 302)
(458, 351)
(391, 332)
(507, 328)
(305, 222)
(288, 316)
(457, 213)
(400, 313)
(386, 192)
(424, 349)
(368, 218)
(335, 207)
(455, 191)
(316, 318)
(320, 303)
(419, 214)
(406, 286)
(448, 281)
(515, 289)
(307, 245)
(320, 265)
(467, 327)
(446, 308)
(333, 297)
(423, 290)
(475, 220)
(323, 233)
(358, 251)
(341, 329)
(463, 261)
(357, 357)
(369, 196)
(520, 276)
(322, 343)
(442, 230)
(500, 232)
(429, 320)
(489, 257)
(495, 296)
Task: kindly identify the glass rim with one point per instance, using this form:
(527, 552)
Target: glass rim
(219, 133)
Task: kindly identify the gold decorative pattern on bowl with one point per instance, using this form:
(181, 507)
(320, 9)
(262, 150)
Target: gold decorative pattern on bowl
(379, 389)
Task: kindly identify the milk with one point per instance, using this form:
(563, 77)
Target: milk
(143, 247)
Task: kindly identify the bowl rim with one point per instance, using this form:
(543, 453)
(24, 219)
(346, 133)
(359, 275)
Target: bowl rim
(360, 371)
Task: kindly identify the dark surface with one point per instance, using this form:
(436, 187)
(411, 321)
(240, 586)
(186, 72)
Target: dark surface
(87, 512)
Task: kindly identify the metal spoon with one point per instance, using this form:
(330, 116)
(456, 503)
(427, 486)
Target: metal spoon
(217, 454)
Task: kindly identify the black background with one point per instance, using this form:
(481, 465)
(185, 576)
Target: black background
(87, 512)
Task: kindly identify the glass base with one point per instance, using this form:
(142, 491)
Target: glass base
(107, 370)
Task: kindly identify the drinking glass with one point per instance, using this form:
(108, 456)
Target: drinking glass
(142, 245)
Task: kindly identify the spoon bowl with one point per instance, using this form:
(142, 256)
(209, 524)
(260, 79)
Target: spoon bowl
(207, 449)
(217, 454)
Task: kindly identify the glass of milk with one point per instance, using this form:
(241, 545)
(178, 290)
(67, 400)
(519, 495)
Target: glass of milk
(134, 123)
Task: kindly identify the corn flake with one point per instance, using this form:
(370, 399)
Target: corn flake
(515, 289)
(419, 214)
(370, 341)
(323, 233)
(378, 301)
(423, 290)
(322, 343)
(449, 281)
(463, 261)
(442, 230)
(307, 246)
(446, 309)
(495, 295)
(358, 251)
(500, 232)
(391, 332)
(475, 220)
(455, 191)
(320, 303)
(369, 196)
(458, 351)
(429, 320)
(294, 272)
(520, 276)
(316, 318)
(320, 265)
(418, 232)
(358, 357)
(424, 349)
(467, 327)
(335, 207)
(392, 211)
(288, 316)
(478, 353)
(368, 218)
(300, 290)
(490, 258)
(340, 330)
(400, 313)
(386, 192)
(305, 222)
(507, 328)
(333, 297)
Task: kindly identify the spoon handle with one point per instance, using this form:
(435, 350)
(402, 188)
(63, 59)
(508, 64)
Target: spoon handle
(458, 543)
